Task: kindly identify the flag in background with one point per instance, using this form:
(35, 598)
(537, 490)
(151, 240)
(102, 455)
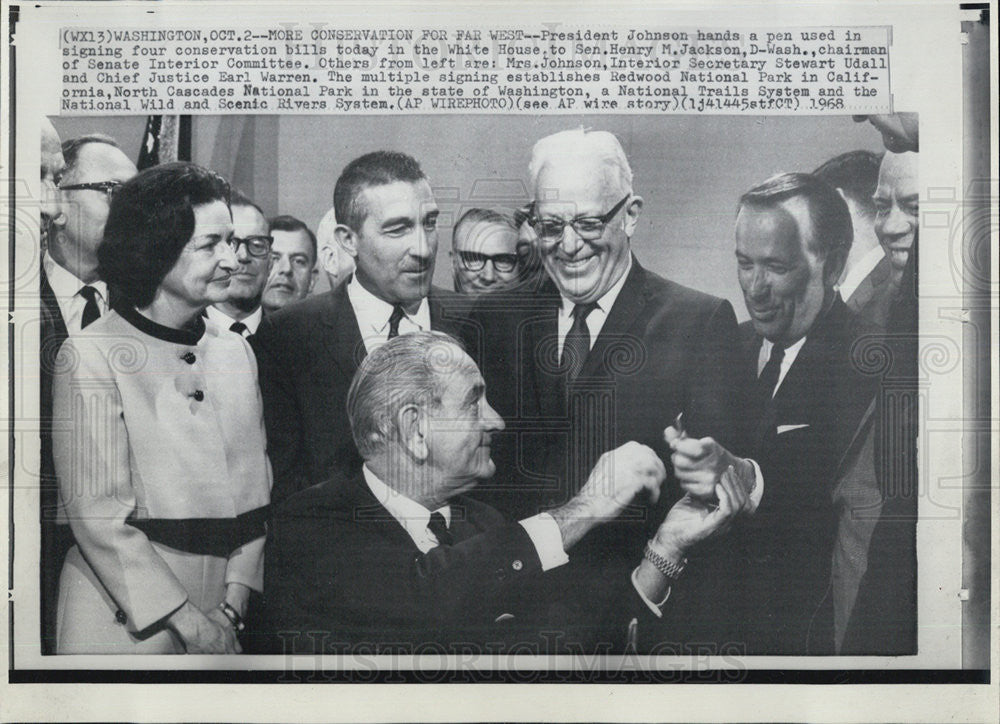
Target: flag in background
(166, 138)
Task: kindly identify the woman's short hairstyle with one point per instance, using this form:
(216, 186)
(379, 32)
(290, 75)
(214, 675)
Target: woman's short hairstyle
(150, 221)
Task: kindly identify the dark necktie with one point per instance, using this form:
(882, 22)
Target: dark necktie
(768, 379)
(238, 327)
(440, 529)
(766, 383)
(397, 314)
(576, 346)
(91, 311)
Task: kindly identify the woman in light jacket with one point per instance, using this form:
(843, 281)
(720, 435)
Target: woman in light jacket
(161, 462)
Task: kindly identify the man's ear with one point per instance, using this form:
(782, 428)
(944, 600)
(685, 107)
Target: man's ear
(413, 426)
(347, 239)
(833, 267)
(631, 214)
(312, 279)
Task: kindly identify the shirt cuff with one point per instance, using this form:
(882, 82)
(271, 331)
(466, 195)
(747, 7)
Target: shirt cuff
(758, 489)
(544, 533)
(656, 608)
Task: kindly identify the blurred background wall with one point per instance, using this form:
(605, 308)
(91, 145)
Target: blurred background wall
(690, 170)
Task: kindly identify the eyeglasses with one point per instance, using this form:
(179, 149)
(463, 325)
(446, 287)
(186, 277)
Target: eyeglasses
(588, 228)
(108, 187)
(256, 245)
(474, 261)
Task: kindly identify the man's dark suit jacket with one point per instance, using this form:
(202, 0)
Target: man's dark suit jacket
(307, 354)
(663, 349)
(56, 539)
(873, 296)
(775, 572)
(340, 565)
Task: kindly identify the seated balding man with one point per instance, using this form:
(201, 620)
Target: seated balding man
(396, 554)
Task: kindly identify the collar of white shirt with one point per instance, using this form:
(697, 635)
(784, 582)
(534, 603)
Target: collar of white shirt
(66, 287)
(409, 513)
(857, 273)
(225, 321)
(791, 352)
(373, 315)
(597, 318)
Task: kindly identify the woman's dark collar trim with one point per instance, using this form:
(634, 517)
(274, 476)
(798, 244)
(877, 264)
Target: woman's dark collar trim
(167, 334)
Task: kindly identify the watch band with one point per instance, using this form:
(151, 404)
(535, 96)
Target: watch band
(667, 567)
(234, 618)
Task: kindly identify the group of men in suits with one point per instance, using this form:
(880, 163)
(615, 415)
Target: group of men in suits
(627, 423)
(604, 354)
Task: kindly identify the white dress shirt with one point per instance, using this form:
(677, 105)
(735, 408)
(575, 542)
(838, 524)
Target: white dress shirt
(597, 318)
(791, 353)
(66, 288)
(225, 321)
(373, 316)
(542, 529)
(857, 273)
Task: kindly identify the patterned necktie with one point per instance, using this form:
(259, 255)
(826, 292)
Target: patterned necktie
(238, 327)
(397, 314)
(576, 346)
(91, 311)
(440, 529)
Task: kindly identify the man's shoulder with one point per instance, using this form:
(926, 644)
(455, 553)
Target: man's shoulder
(336, 498)
(302, 317)
(666, 292)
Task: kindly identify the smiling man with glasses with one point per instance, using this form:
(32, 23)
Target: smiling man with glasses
(484, 252)
(251, 242)
(605, 352)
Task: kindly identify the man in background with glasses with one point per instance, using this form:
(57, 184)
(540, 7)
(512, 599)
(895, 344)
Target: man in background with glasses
(95, 167)
(484, 252)
(251, 241)
(78, 182)
(604, 353)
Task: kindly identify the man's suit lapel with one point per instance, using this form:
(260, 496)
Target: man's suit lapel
(622, 318)
(53, 323)
(541, 336)
(344, 343)
(369, 512)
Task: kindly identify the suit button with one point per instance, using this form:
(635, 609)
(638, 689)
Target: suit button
(500, 573)
(199, 395)
(120, 617)
(189, 358)
(517, 565)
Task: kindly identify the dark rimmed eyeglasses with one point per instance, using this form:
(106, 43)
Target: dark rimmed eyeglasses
(474, 261)
(588, 228)
(107, 187)
(257, 246)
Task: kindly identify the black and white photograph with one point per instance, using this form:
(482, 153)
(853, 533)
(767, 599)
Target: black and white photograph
(573, 396)
(600, 301)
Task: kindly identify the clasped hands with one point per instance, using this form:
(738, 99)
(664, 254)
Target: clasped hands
(717, 488)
